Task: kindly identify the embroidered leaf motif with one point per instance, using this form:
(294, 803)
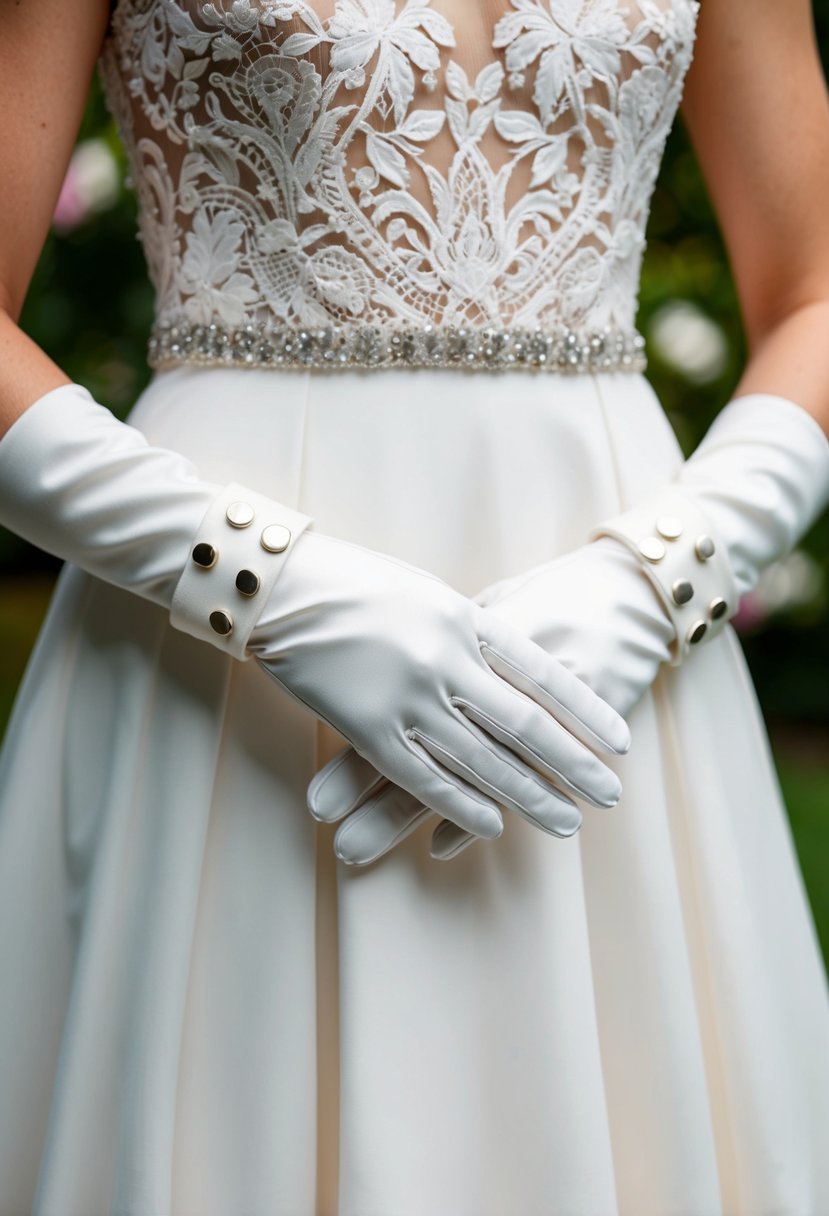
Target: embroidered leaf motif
(300, 44)
(386, 159)
(195, 68)
(422, 125)
(316, 170)
(488, 82)
(456, 82)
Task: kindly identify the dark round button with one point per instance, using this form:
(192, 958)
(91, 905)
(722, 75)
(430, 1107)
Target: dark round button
(247, 582)
(220, 622)
(204, 555)
(697, 632)
(717, 608)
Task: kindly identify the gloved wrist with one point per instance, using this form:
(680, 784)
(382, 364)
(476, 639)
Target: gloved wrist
(596, 611)
(92, 490)
(671, 539)
(754, 485)
(761, 474)
(236, 556)
(634, 608)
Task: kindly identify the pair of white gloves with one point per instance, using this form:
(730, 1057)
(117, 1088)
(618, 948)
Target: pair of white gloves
(454, 706)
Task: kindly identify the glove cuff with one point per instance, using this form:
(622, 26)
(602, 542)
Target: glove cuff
(762, 475)
(684, 560)
(236, 556)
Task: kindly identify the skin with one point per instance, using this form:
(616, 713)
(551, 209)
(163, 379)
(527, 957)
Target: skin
(757, 110)
(755, 104)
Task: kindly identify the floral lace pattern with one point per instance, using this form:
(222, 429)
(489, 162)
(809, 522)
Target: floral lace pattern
(303, 170)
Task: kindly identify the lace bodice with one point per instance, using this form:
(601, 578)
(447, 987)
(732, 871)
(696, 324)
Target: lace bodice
(431, 163)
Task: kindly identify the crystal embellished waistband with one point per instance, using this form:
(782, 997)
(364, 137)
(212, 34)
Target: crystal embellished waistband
(361, 346)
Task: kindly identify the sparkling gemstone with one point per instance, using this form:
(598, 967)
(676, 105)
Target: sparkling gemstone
(357, 344)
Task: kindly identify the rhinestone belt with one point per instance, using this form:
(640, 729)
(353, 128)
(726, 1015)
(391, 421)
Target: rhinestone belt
(373, 346)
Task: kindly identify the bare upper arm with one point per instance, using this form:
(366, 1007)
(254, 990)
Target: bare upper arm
(48, 50)
(756, 108)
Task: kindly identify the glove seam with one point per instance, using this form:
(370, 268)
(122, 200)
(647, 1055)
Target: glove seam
(549, 697)
(424, 756)
(543, 784)
(574, 789)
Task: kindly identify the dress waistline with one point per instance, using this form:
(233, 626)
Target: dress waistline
(362, 346)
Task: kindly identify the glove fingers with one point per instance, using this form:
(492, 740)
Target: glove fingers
(527, 667)
(477, 758)
(448, 793)
(448, 840)
(341, 785)
(529, 732)
(378, 825)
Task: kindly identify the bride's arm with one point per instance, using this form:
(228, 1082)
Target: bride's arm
(47, 56)
(756, 108)
(343, 629)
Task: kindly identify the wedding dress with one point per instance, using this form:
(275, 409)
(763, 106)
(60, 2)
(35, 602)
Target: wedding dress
(396, 247)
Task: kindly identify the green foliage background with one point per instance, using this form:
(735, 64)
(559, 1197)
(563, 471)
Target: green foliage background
(90, 308)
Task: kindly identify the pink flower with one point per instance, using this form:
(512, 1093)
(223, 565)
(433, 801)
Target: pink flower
(90, 185)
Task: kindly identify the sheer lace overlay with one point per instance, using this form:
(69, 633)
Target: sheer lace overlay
(461, 162)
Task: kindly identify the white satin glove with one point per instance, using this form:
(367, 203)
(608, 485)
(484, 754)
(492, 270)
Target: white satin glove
(649, 587)
(438, 695)
(609, 628)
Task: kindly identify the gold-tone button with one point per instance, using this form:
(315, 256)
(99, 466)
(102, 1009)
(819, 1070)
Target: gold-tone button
(221, 622)
(669, 526)
(240, 514)
(205, 555)
(682, 591)
(652, 548)
(696, 632)
(717, 608)
(276, 538)
(704, 548)
(247, 582)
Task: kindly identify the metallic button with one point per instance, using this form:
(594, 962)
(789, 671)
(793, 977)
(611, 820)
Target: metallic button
(704, 548)
(276, 538)
(221, 622)
(669, 526)
(717, 608)
(240, 514)
(247, 582)
(652, 548)
(696, 632)
(205, 555)
(682, 591)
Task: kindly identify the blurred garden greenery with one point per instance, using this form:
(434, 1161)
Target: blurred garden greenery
(90, 308)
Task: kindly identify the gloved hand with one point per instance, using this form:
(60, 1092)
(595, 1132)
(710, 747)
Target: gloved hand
(438, 695)
(608, 627)
(648, 588)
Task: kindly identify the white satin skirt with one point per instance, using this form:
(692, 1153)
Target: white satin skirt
(203, 1013)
